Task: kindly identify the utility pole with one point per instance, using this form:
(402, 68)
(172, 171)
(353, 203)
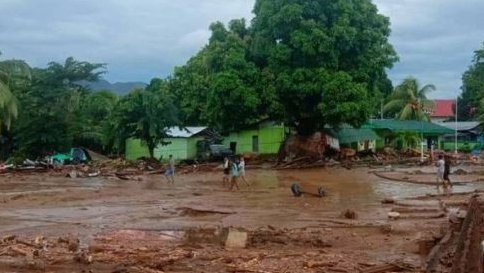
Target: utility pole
(381, 111)
(421, 142)
(421, 131)
(456, 122)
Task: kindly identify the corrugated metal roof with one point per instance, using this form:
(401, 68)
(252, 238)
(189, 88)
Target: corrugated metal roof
(184, 132)
(407, 125)
(443, 109)
(461, 125)
(348, 135)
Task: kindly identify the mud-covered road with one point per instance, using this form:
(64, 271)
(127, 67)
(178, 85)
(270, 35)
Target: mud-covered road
(143, 225)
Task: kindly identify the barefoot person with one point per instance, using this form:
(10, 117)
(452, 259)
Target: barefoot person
(440, 170)
(234, 173)
(447, 170)
(242, 171)
(226, 170)
(170, 171)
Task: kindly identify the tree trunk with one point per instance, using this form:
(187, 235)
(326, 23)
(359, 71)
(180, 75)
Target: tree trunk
(6, 146)
(151, 149)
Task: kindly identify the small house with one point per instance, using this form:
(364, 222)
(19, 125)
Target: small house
(181, 143)
(469, 135)
(443, 110)
(362, 139)
(263, 138)
(390, 129)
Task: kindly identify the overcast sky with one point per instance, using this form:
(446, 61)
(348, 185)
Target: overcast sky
(141, 39)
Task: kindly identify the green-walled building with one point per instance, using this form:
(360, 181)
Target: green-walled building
(182, 144)
(263, 138)
(389, 129)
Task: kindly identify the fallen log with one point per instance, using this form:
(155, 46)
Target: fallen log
(430, 216)
(23, 242)
(415, 210)
(19, 251)
(383, 269)
(120, 176)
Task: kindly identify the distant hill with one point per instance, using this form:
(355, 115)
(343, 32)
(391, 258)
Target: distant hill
(121, 88)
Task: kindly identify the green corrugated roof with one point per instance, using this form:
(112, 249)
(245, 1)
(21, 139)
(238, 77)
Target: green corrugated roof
(348, 135)
(407, 125)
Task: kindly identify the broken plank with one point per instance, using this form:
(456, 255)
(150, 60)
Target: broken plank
(382, 269)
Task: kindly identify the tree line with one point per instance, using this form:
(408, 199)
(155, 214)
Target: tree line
(310, 64)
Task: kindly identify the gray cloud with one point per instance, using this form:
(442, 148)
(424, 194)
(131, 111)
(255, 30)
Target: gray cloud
(145, 38)
(435, 40)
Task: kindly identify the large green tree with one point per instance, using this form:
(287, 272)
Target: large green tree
(219, 86)
(328, 58)
(308, 63)
(92, 119)
(50, 106)
(145, 114)
(409, 101)
(471, 102)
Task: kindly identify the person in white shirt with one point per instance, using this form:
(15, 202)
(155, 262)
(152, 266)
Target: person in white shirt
(170, 171)
(226, 168)
(242, 171)
(440, 170)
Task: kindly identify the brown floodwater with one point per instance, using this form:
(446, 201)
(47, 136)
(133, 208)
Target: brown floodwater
(90, 205)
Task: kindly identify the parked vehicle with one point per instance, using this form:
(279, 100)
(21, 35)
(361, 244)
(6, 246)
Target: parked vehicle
(212, 152)
(74, 157)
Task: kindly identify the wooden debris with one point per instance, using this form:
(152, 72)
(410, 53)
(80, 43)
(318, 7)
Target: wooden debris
(19, 251)
(8, 238)
(383, 269)
(350, 214)
(23, 242)
(415, 210)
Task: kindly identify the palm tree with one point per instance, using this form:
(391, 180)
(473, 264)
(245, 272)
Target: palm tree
(10, 72)
(409, 101)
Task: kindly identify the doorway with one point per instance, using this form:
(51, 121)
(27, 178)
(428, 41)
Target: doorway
(233, 147)
(255, 144)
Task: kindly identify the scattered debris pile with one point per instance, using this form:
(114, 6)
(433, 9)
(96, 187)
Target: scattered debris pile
(461, 250)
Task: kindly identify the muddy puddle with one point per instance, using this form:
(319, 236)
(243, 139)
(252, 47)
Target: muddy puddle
(354, 187)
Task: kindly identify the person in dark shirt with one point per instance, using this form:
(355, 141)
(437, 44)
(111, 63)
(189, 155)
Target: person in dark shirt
(447, 170)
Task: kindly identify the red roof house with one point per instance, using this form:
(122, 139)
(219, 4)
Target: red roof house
(443, 109)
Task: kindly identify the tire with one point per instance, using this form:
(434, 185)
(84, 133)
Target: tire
(321, 192)
(296, 190)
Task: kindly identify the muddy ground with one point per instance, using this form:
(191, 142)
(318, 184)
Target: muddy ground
(50, 223)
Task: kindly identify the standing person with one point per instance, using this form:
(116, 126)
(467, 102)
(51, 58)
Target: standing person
(170, 171)
(226, 167)
(234, 173)
(447, 170)
(242, 171)
(440, 170)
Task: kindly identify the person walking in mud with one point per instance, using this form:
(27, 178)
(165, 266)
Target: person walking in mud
(447, 163)
(226, 170)
(242, 171)
(170, 171)
(234, 173)
(440, 170)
